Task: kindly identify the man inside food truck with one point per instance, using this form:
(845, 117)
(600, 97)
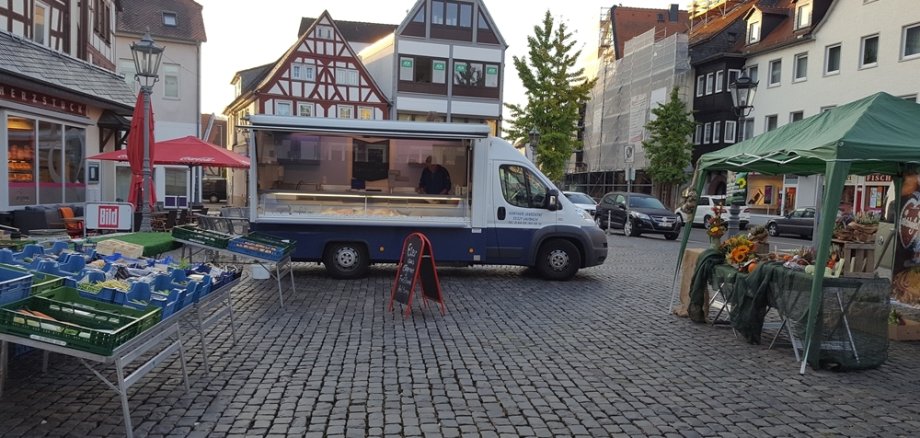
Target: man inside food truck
(435, 179)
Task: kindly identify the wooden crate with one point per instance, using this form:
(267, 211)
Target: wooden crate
(858, 259)
(111, 246)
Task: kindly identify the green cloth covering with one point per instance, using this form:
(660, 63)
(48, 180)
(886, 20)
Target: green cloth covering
(154, 243)
(862, 322)
(705, 265)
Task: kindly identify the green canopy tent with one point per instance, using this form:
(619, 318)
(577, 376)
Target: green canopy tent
(876, 134)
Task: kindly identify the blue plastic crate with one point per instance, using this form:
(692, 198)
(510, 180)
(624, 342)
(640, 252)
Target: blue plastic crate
(15, 284)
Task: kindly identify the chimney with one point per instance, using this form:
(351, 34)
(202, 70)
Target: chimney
(672, 14)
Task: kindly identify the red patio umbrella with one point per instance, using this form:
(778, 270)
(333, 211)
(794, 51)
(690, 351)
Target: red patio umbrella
(187, 151)
(135, 153)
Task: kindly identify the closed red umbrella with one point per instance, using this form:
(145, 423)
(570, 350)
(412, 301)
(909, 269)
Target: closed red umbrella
(135, 154)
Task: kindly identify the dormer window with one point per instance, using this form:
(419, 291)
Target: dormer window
(170, 19)
(753, 32)
(803, 16)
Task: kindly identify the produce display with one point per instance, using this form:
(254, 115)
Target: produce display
(95, 303)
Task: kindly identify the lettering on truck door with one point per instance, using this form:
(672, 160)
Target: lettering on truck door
(519, 209)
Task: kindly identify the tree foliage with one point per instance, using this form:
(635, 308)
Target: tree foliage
(555, 92)
(668, 147)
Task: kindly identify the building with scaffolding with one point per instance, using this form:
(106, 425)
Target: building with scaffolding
(642, 55)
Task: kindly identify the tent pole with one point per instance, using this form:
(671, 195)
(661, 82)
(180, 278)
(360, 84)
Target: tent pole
(699, 179)
(836, 177)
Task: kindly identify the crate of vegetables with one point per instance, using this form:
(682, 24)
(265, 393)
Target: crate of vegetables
(62, 317)
(262, 246)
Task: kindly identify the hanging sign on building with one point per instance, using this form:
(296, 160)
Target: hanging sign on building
(40, 100)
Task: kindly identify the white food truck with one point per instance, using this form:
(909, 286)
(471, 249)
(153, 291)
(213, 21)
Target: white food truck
(347, 192)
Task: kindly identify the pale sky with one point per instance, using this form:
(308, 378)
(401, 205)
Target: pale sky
(247, 33)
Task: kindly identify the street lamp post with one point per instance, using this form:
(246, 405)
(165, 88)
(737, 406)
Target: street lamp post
(742, 91)
(147, 58)
(534, 135)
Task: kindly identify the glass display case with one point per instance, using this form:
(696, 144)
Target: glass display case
(364, 205)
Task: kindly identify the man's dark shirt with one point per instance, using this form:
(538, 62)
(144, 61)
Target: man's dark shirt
(433, 183)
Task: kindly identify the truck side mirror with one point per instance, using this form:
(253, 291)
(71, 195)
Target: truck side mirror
(552, 200)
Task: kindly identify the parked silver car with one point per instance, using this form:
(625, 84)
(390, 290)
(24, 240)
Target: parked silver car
(800, 221)
(582, 201)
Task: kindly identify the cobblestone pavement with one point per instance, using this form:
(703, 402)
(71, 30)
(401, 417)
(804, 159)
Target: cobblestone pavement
(514, 356)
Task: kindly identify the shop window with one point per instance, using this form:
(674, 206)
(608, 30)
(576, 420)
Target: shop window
(832, 60)
(439, 71)
(176, 182)
(171, 80)
(868, 50)
(74, 170)
(50, 162)
(406, 69)
(21, 164)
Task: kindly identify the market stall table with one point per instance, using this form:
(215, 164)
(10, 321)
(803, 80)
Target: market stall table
(853, 329)
(214, 305)
(282, 267)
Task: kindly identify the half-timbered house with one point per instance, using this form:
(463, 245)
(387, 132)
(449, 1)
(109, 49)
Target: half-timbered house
(320, 75)
(444, 62)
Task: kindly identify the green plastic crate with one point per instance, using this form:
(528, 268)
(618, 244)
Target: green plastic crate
(15, 245)
(78, 322)
(204, 237)
(262, 245)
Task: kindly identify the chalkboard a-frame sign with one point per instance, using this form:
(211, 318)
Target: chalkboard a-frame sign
(416, 262)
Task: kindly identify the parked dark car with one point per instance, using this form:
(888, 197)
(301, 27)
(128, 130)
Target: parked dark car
(800, 221)
(643, 214)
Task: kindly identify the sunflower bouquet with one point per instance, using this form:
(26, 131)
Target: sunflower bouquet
(739, 251)
(717, 226)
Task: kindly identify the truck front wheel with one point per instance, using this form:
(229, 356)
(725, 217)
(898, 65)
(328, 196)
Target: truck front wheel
(558, 260)
(346, 260)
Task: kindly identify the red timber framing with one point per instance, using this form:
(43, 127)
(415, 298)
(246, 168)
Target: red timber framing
(16, 17)
(321, 76)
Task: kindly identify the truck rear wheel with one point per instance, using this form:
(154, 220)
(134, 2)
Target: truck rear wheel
(346, 260)
(558, 260)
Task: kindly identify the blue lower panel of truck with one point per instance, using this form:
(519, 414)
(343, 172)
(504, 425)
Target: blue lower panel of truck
(384, 243)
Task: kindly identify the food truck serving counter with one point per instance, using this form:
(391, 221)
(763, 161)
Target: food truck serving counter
(349, 191)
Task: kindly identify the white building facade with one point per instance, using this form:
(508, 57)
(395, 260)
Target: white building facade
(858, 48)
